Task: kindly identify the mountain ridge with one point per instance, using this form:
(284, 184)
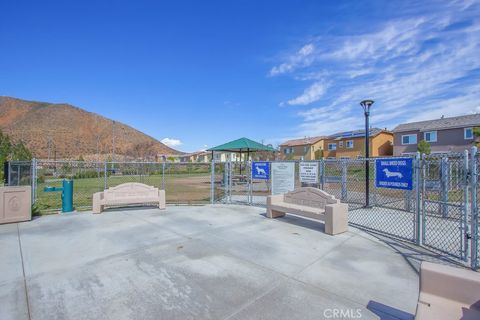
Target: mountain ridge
(65, 131)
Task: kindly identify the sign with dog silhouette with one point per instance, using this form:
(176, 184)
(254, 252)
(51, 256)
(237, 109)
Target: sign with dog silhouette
(260, 170)
(394, 173)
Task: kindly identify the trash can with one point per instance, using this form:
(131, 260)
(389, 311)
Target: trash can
(67, 196)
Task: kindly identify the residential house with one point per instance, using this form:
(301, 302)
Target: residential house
(206, 157)
(351, 144)
(225, 156)
(308, 148)
(198, 156)
(445, 135)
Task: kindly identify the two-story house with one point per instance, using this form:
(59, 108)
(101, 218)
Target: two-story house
(351, 144)
(308, 148)
(444, 135)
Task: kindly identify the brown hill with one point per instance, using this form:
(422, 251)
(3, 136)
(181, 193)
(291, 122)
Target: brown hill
(67, 132)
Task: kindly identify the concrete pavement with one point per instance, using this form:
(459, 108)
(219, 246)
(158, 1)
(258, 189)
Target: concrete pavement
(196, 262)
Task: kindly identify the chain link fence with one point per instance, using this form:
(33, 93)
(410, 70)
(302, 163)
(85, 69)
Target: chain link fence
(439, 213)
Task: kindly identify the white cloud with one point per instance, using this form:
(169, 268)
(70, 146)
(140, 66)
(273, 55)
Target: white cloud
(301, 58)
(171, 142)
(419, 66)
(309, 95)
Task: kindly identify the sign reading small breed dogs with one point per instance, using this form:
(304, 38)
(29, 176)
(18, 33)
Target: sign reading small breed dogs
(394, 173)
(260, 170)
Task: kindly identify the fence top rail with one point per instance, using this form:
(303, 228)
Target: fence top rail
(19, 162)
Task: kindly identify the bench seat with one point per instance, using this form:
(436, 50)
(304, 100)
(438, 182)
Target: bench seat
(312, 203)
(128, 194)
(448, 293)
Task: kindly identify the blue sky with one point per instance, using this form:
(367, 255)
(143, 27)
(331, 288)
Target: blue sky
(201, 73)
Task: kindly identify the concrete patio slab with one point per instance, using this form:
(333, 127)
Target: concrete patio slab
(202, 262)
(13, 301)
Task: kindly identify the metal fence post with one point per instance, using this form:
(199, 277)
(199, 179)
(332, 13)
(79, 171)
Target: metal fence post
(250, 183)
(105, 185)
(230, 181)
(418, 211)
(212, 181)
(444, 187)
(474, 209)
(322, 176)
(344, 179)
(9, 173)
(34, 180)
(465, 227)
(163, 175)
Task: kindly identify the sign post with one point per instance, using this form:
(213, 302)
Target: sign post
(394, 173)
(283, 177)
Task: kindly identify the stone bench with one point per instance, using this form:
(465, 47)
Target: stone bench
(128, 194)
(311, 203)
(448, 293)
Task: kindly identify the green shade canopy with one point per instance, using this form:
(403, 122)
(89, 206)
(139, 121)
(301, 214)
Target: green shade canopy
(242, 144)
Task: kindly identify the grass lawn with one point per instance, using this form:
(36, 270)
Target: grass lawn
(179, 188)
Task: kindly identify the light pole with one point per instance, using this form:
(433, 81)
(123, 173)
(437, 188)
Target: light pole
(366, 104)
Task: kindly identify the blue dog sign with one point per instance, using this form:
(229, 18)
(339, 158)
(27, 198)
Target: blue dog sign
(260, 170)
(394, 173)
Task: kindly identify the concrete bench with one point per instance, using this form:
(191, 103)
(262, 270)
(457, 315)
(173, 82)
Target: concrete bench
(311, 203)
(127, 194)
(448, 293)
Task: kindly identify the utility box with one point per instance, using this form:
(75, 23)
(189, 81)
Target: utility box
(15, 204)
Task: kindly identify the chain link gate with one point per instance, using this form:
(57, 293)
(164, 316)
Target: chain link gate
(239, 182)
(445, 194)
(474, 206)
(390, 212)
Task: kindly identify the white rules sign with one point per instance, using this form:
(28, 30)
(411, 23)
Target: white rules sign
(309, 172)
(283, 177)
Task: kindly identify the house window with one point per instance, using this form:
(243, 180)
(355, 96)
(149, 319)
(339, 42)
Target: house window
(305, 149)
(332, 146)
(349, 144)
(468, 133)
(409, 139)
(340, 144)
(430, 136)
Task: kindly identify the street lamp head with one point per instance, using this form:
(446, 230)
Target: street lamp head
(366, 104)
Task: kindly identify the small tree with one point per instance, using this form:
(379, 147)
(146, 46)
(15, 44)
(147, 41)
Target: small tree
(476, 134)
(424, 147)
(318, 154)
(20, 152)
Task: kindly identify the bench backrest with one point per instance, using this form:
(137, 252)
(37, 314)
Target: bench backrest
(131, 190)
(310, 197)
